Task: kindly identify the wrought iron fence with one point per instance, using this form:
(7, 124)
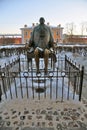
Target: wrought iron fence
(75, 75)
(18, 79)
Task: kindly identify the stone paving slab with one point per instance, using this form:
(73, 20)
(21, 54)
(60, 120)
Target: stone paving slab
(6, 128)
(79, 129)
(30, 128)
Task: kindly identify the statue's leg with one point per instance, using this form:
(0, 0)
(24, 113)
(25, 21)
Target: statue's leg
(36, 53)
(46, 57)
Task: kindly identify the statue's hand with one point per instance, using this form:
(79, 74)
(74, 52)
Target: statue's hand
(51, 49)
(31, 49)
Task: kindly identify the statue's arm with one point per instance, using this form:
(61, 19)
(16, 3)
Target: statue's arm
(51, 41)
(31, 41)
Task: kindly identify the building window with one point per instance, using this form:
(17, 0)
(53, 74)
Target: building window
(30, 33)
(57, 33)
(26, 33)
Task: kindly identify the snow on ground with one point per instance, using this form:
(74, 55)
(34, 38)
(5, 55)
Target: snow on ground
(79, 58)
(7, 60)
(11, 46)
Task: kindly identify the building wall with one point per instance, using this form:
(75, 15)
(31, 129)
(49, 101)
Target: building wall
(27, 34)
(57, 33)
(75, 39)
(10, 40)
(18, 40)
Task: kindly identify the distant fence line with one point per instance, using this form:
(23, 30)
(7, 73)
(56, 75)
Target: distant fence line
(72, 48)
(25, 82)
(21, 49)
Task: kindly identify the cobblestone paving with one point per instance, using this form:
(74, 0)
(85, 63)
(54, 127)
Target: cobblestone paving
(40, 115)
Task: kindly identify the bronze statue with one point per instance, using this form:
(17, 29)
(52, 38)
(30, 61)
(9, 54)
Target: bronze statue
(42, 42)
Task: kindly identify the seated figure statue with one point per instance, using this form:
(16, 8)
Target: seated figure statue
(42, 41)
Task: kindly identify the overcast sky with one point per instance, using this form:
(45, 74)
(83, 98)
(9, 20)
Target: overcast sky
(15, 13)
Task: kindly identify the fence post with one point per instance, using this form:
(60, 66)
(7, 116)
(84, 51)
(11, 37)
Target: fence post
(65, 61)
(19, 64)
(0, 93)
(81, 82)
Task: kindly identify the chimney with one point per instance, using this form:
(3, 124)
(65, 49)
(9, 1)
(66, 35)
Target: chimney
(59, 25)
(48, 23)
(25, 25)
(33, 24)
(36, 24)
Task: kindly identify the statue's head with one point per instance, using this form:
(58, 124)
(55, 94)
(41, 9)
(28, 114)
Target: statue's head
(42, 20)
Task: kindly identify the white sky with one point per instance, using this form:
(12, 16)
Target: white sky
(15, 13)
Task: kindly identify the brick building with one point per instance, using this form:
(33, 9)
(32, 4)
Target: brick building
(57, 33)
(74, 39)
(7, 39)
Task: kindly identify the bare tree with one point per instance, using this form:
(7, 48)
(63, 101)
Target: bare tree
(70, 28)
(83, 28)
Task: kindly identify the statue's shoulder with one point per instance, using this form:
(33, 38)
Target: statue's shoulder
(47, 27)
(36, 28)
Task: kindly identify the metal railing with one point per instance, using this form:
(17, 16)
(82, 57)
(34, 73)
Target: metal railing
(75, 74)
(62, 83)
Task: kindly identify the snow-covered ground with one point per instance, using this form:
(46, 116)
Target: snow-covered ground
(82, 60)
(6, 60)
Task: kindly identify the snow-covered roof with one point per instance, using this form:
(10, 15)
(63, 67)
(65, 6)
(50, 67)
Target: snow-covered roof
(12, 46)
(76, 45)
(58, 45)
